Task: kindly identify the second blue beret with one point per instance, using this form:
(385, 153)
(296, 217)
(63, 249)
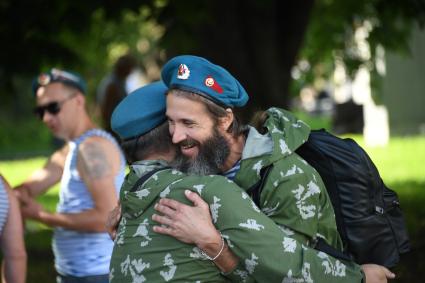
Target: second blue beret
(140, 111)
(56, 75)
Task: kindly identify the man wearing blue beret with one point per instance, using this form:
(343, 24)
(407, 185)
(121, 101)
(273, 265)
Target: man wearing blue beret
(211, 139)
(267, 253)
(90, 168)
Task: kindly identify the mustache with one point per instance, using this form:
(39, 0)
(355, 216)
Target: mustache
(188, 143)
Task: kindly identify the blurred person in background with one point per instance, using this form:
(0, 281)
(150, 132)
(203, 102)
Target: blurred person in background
(90, 168)
(14, 265)
(112, 89)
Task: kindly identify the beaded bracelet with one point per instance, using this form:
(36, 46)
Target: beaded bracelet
(219, 253)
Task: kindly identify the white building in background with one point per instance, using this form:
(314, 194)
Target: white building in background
(404, 88)
(376, 129)
(402, 91)
(376, 124)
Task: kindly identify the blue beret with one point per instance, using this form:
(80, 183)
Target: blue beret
(56, 75)
(200, 76)
(140, 111)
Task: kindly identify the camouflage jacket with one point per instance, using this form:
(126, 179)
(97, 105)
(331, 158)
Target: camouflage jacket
(293, 194)
(267, 252)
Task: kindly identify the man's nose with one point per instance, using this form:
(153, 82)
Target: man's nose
(178, 134)
(47, 116)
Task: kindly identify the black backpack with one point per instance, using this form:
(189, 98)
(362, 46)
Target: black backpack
(368, 215)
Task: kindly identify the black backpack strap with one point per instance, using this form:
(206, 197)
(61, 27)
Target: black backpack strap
(255, 190)
(147, 176)
(320, 245)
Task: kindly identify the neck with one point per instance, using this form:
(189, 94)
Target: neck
(82, 127)
(236, 147)
(166, 156)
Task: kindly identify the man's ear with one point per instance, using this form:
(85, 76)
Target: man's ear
(81, 99)
(227, 120)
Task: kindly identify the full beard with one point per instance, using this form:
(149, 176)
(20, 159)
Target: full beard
(211, 157)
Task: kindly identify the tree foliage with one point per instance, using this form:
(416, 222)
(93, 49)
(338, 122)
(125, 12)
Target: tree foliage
(259, 41)
(331, 35)
(33, 33)
(39, 34)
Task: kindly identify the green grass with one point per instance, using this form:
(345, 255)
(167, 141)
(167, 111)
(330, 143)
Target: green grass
(32, 138)
(401, 160)
(16, 171)
(315, 122)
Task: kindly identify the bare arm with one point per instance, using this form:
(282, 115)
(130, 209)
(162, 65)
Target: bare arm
(98, 163)
(44, 178)
(14, 265)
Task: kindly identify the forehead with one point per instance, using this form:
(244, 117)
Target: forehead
(180, 107)
(50, 92)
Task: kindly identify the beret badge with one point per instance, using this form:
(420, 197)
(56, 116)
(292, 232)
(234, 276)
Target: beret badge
(198, 75)
(211, 83)
(43, 79)
(183, 72)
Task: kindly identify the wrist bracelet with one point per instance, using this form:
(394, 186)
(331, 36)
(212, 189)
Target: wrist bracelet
(219, 253)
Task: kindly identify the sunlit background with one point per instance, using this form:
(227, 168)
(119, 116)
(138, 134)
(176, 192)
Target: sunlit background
(354, 67)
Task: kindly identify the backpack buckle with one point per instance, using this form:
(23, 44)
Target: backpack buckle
(379, 210)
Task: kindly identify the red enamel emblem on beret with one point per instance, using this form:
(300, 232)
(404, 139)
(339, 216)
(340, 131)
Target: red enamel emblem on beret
(43, 79)
(210, 82)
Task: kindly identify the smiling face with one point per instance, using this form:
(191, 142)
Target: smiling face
(189, 123)
(201, 140)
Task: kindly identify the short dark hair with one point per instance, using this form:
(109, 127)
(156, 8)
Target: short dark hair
(157, 140)
(258, 120)
(214, 110)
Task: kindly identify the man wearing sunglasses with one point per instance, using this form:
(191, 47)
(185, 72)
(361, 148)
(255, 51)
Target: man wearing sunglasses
(90, 169)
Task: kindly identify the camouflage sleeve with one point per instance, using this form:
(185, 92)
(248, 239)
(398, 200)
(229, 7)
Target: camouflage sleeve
(267, 252)
(294, 196)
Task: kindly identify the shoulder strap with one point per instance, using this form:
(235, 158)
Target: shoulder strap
(321, 245)
(145, 177)
(255, 190)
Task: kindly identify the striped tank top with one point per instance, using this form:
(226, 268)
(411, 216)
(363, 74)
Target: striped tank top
(81, 253)
(4, 205)
(231, 173)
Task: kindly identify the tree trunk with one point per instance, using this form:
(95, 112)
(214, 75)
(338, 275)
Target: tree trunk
(256, 41)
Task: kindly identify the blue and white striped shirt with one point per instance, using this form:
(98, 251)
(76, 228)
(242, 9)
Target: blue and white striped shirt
(81, 253)
(231, 173)
(4, 205)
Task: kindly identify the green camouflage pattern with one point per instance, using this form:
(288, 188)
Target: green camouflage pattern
(267, 252)
(294, 194)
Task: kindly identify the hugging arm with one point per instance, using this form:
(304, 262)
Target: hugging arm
(278, 255)
(199, 230)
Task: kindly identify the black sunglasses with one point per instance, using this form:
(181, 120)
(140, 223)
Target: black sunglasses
(53, 107)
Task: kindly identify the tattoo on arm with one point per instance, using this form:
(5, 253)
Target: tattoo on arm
(94, 161)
